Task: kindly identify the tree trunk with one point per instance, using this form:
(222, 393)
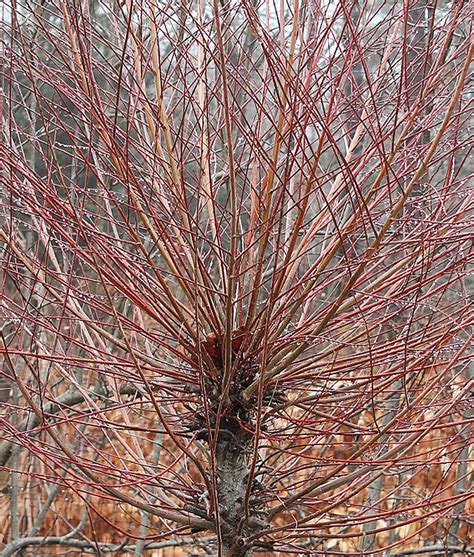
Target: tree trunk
(232, 460)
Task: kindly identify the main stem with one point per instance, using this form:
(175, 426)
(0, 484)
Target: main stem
(232, 463)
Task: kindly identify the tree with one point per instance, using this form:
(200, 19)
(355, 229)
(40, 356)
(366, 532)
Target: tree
(235, 276)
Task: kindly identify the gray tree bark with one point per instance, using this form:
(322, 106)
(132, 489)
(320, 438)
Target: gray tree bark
(232, 461)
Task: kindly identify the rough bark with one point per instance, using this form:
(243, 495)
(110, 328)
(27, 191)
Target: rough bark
(232, 474)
